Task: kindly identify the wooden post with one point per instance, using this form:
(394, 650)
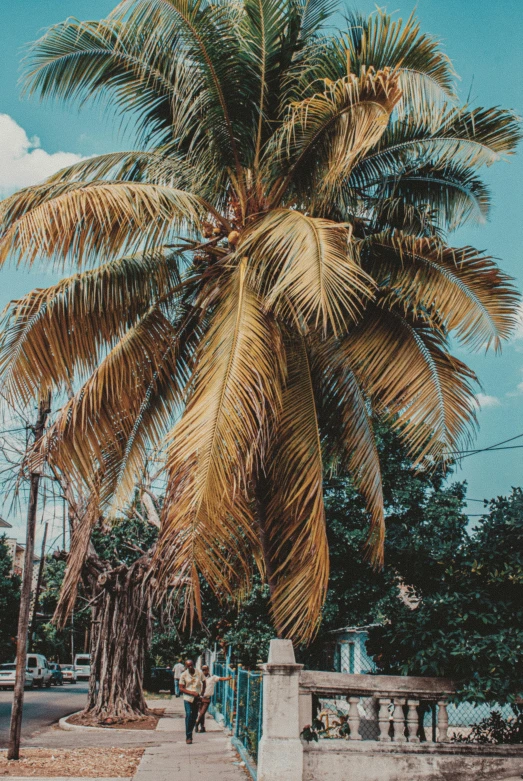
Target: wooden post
(25, 596)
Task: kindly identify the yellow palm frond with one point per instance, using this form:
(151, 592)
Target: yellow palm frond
(53, 333)
(404, 366)
(126, 406)
(207, 526)
(82, 222)
(465, 289)
(296, 515)
(309, 263)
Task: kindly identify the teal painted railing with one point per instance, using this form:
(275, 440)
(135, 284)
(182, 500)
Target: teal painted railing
(238, 703)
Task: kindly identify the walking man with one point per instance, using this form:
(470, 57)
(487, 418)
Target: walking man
(178, 670)
(205, 699)
(191, 685)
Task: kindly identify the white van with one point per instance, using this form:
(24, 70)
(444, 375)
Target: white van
(82, 666)
(39, 668)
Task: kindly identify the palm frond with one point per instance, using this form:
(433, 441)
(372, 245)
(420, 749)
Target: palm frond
(126, 406)
(296, 516)
(348, 432)
(262, 31)
(329, 132)
(136, 166)
(55, 333)
(79, 222)
(208, 37)
(425, 72)
(207, 526)
(458, 136)
(106, 60)
(452, 193)
(78, 552)
(465, 290)
(309, 263)
(404, 367)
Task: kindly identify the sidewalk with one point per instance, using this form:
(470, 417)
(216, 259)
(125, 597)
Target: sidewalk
(167, 757)
(209, 758)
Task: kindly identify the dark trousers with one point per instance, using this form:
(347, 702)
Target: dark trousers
(191, 714)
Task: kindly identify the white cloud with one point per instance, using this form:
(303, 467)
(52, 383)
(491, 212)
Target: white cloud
(519, 389)
(485, 401)
(22, 161)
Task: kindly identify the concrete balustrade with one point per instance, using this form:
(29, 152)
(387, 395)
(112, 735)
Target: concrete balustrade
(400, 746)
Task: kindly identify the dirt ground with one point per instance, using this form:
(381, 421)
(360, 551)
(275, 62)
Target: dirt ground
(148, 722)
(81, 762)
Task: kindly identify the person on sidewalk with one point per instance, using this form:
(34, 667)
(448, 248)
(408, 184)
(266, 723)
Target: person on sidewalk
(205, 699)
(179, 667)
(191, 686)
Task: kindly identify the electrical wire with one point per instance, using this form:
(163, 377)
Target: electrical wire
(495, 446)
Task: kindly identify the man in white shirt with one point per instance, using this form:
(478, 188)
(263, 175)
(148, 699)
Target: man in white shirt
(191, 686)
(179, 667)
(205, 699)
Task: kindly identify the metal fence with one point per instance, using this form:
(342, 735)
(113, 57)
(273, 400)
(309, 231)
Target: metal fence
(249, 707)
(223, 703)
(238, 704)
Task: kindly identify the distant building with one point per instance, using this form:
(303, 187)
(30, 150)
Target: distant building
(346, 651)
(17, 554)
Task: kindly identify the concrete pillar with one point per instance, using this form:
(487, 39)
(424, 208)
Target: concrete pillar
(305, 707)
(384, 719)
(280, 754)
(413, 721)
(443, 722)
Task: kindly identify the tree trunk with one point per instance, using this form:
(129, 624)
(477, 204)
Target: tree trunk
(120, 635)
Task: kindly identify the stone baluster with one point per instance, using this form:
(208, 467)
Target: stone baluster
(384, 719)
(413, 721)
(399, 721)
(354, 718)
(443, 722)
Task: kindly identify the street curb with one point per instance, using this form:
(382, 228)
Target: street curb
(64, 724)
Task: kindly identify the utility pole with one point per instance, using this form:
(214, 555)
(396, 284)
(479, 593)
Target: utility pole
(38, 585)
(25, 596)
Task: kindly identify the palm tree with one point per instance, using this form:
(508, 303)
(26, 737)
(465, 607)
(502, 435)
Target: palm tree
(262, 277)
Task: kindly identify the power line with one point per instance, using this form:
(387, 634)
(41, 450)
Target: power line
(495, 446)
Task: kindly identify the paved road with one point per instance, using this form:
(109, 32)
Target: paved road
(42, 707)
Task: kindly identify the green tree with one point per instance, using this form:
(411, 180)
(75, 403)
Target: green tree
(468, 623)
(9, 604)
(314, 176)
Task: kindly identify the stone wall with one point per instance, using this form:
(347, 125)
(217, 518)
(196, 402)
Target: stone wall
(339, 760)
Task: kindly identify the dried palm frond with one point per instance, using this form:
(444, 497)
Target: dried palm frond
(465, 290)
(79, 549)
(310, 264)
(208, 527)
(299, 554)
(58, 333)
(80, 222)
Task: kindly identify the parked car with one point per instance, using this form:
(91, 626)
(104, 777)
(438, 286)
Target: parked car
(68, 673)
(160, 679)
(82, 666)
(39, 667)
(56, 674)
(8, 675)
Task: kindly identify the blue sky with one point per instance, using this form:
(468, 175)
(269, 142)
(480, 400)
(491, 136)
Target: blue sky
(483, 39)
